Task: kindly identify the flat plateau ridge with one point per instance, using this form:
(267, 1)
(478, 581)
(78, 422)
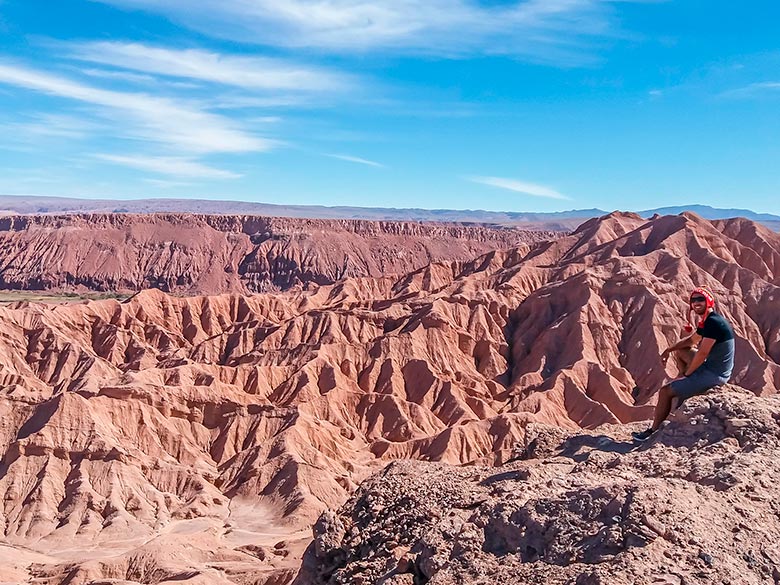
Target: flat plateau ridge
(558, 221)
(197, 439)
(211, 254)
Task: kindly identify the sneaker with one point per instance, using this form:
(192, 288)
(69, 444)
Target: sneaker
(643, 435)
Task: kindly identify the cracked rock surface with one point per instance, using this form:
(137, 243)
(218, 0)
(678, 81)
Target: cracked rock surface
(199, 438)
(697, 503)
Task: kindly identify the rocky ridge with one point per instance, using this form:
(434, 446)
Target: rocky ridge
(697, 504)
(210, 254)
(217, 428)
(557, 221)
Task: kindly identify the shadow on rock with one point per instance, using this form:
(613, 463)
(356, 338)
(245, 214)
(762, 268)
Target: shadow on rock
(579, 446)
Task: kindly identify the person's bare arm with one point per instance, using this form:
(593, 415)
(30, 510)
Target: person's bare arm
(704, 350)
(684, 343)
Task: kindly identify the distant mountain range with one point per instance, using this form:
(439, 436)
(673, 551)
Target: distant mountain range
(708, 212)
(556, 220)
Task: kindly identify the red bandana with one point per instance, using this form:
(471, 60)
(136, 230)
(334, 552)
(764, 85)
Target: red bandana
(700, 291)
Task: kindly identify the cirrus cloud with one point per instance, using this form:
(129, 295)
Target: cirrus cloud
(356, 159)
(174, 166)
(533, 189)
(541, 30)
(263, 73)
(176, 123)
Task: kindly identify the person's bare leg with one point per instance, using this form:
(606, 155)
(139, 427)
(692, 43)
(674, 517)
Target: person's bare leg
(664, 406)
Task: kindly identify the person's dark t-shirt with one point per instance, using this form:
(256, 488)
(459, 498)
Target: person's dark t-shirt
(720, 360)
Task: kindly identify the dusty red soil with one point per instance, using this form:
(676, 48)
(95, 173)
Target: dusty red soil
(168, 438)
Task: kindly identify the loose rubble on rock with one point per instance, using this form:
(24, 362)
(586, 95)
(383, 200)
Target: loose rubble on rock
(199, 438)
(698, 504)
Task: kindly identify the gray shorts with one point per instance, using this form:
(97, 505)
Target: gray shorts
(697, 383)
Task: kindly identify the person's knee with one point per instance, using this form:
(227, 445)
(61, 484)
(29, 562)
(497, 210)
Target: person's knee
(667, 392)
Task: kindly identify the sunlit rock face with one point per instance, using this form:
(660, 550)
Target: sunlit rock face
(168, 437)
(695, 504)
(211, 254)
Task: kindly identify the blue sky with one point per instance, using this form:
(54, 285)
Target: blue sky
(538, 105)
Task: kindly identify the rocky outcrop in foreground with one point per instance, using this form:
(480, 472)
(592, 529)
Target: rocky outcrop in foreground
(697, 504)
(165, 437)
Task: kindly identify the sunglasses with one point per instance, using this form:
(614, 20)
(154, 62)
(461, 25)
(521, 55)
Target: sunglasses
(698, 300)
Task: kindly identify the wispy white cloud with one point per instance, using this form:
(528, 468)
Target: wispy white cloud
(239, 102)
(261, 73)
(265, 119)
(179, 124)
(43, 125)
(356, 159)
(524, 187)
(549, 30)
(166, 184)
(174, 166)
(753, 89)
(120, 75)
(137, 78)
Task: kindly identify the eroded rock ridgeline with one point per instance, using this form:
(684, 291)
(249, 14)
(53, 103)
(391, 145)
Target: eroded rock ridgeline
(171, 432)
(208, 254)
(698, 504)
